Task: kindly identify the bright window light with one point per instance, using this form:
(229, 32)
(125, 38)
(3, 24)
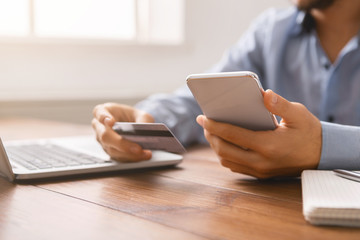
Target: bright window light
(85, 18)
(14, 17)
(137, 21)
(166, 26)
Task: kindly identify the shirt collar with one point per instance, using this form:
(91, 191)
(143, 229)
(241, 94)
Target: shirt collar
(353, 44)
(358, 39)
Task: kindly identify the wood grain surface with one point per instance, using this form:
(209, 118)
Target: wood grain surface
(198, 199)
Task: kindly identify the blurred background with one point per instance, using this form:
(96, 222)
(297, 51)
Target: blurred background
(59, 58)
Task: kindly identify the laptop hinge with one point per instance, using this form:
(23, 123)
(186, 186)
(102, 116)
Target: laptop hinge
(5, 166)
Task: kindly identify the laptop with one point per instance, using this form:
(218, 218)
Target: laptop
(54, 157)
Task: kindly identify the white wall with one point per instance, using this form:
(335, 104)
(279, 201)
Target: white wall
(64, 81)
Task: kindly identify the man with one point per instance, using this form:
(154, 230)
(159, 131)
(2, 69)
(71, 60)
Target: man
(309, 55)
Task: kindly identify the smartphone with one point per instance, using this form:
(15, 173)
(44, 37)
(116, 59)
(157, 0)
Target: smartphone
(232, 97)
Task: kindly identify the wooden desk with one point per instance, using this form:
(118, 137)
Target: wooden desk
(199, 199)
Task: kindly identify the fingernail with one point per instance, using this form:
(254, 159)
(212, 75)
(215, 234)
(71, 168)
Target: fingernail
(107, 121)
(147, 154)
(200, 121)
(274, 98)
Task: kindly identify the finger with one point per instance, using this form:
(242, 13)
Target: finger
(238, 168)
(98, 127)
(234, 134)
(102, 114)
(240, 160)
(127, 157)
(289, 111)
(108, 137)
(233, 153)
(235, 167)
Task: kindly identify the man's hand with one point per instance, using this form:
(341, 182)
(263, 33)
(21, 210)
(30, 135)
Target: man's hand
(105, 115)
(295, 145)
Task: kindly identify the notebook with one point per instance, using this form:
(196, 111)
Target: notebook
(329, 199)
(43, 158)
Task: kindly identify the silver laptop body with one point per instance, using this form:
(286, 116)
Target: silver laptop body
(43, 158)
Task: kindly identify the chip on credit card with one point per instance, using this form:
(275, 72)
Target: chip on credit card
(153, 136)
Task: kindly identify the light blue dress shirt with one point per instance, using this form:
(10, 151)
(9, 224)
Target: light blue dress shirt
(282, 47)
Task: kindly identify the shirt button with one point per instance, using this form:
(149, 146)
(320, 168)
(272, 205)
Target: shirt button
(327, 66)
(331, 118)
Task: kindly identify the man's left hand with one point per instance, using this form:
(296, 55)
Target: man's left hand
(295, 145)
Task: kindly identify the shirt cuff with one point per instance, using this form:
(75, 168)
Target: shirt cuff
(340, 147)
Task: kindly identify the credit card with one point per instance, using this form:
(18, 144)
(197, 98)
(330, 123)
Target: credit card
(153, 136)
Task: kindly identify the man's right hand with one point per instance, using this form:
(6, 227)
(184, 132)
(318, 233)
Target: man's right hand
(105, 116)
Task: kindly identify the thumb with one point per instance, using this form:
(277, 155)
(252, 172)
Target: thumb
(288, 111)
(143, 117)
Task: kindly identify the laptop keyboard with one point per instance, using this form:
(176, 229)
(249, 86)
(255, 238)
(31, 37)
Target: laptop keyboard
(48, 156)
